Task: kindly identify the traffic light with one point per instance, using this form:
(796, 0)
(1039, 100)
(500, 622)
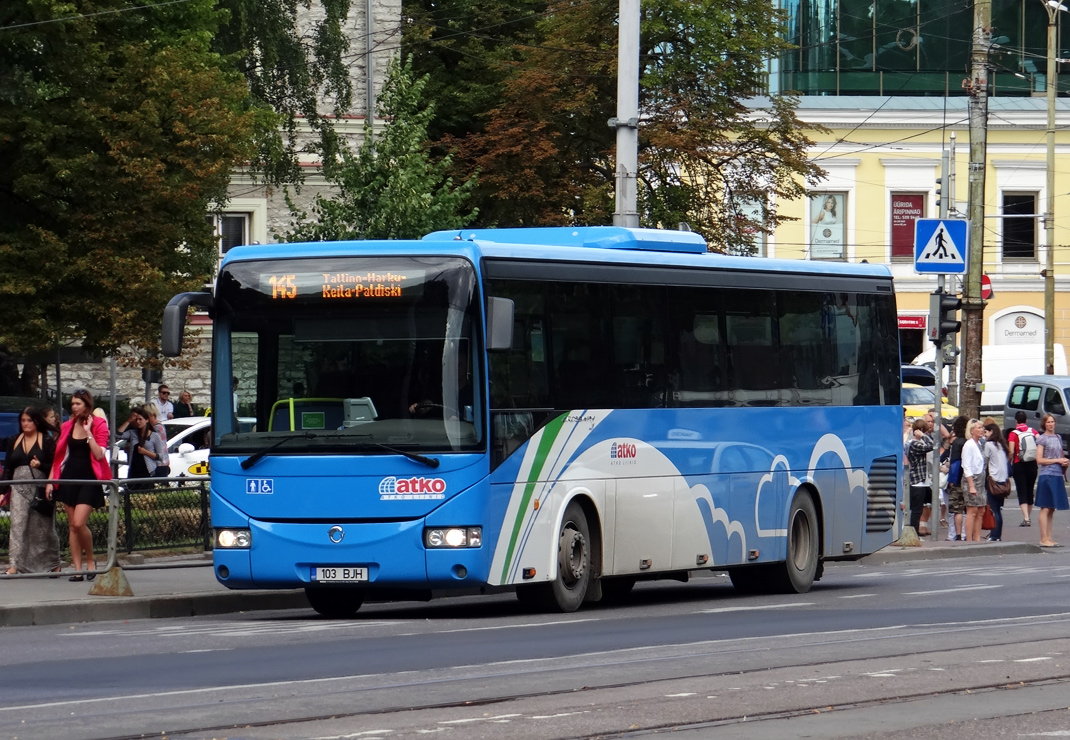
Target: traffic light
(943, 319)
(940, 196)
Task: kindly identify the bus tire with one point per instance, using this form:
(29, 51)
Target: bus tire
(800, 567)
(752, 579)
(567, 591)
(616, 590)
(335, 603)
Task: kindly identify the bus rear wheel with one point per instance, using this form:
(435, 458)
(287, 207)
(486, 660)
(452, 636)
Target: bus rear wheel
(335, 603)
(566, 592)
(799, 570)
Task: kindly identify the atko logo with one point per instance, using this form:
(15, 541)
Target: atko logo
(622, 452)
(394, 489)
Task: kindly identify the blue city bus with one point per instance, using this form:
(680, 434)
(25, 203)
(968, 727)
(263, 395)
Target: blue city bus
(559, 411)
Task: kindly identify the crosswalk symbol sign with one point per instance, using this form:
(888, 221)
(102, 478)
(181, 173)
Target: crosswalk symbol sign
(941, 245)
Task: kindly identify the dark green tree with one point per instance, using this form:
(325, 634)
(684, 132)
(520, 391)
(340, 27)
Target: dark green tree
(390, 188)
(710, 154)
(118, 128)
(294, 57)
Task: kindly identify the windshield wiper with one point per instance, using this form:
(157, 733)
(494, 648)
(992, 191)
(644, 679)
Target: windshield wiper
(254, 458)
(430, 462)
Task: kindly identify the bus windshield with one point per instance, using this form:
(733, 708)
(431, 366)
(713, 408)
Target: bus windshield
(349, 354)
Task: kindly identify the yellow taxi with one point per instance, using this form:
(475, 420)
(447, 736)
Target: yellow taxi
(917, 400)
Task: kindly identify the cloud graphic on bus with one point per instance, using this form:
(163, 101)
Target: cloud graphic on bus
(712, 515)
(831, 444)
(793, 483)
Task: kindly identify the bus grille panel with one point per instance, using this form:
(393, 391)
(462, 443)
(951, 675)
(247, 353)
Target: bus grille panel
(880, 494)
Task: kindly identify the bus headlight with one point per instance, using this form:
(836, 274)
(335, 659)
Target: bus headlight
(453, 537)
(230, 539)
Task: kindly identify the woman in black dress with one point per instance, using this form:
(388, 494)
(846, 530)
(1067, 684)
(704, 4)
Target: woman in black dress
(34, 544)
(80, 456)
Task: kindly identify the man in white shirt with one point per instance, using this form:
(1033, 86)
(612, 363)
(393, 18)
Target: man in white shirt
(163, 403)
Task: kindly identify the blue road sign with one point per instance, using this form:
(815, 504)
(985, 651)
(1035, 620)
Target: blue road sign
(941, 245)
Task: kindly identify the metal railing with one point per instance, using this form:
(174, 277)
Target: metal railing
(142, 514)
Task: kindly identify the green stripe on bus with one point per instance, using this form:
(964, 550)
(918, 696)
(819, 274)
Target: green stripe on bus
(549, 436)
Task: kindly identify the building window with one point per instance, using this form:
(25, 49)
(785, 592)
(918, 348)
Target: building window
(750, 216)
(906, 209)
(232, 229)
(1019, 226)
(828, 230)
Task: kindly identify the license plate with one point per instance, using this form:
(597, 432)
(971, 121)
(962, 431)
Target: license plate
(340, 574)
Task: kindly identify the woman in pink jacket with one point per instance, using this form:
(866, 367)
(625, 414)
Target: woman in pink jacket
(80, 456)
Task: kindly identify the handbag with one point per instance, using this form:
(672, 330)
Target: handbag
(999, 489)
(41, 503)
(988, 519)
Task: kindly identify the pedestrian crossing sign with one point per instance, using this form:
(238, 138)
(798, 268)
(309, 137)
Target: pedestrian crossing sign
(941, 245)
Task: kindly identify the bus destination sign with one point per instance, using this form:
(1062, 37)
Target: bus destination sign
(341, 286)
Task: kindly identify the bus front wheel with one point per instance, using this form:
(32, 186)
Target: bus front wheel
(566, 592)
(335, 603)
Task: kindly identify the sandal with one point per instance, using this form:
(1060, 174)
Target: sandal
(1025, 524)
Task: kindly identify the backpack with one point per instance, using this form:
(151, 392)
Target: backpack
(1027, 446)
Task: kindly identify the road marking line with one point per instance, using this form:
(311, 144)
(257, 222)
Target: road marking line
(1032, 660)
(727, 609)
(856, 596)
(975, 587)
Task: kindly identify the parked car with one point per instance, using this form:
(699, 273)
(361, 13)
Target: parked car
(1037, 395)
(187, 446)
(917, 401)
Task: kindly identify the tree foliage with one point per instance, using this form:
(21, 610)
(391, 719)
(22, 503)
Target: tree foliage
(708, 155)
(119, 127)
(293, 55)
(390, 188)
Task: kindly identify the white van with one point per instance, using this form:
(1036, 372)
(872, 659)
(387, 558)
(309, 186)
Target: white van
(1001, 364)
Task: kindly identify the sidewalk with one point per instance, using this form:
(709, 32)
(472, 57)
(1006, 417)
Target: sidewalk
(187, 587)
(1016, 540)
(183, 587)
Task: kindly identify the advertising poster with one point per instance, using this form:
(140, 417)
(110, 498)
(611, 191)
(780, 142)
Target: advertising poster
(828, 228)
(906, 209)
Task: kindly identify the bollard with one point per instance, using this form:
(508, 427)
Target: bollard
(112, 583)
(909, 538)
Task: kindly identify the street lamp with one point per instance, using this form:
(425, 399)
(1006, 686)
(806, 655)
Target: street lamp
(1052, 7)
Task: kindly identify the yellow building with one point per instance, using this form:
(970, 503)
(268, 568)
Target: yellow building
(883, 155)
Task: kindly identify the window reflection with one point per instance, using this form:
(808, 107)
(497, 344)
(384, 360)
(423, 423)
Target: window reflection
(911, 47)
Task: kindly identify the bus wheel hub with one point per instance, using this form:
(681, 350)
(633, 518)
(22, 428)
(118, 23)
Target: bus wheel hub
(570, 557)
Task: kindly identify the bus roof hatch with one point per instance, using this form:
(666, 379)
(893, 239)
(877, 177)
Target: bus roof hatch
(600, 237)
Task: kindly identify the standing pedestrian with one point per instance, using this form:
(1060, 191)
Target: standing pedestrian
(1051, 483)
(1023, 446)
(34, 545)
(163, 465)
(973, 479)
(996, 455)
(956, 500)
(80, 456)
(920, 472)
(164, 408)
(144, 448)
(184, 406)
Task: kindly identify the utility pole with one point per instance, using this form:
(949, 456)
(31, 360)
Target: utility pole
(1051, 83)
(627, 120)
(977, 87)
(952, 207)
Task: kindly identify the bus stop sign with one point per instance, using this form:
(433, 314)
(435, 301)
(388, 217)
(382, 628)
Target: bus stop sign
(941, 246)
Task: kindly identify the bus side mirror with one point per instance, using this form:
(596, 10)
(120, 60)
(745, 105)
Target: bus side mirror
(499, 324)
(174, 320)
